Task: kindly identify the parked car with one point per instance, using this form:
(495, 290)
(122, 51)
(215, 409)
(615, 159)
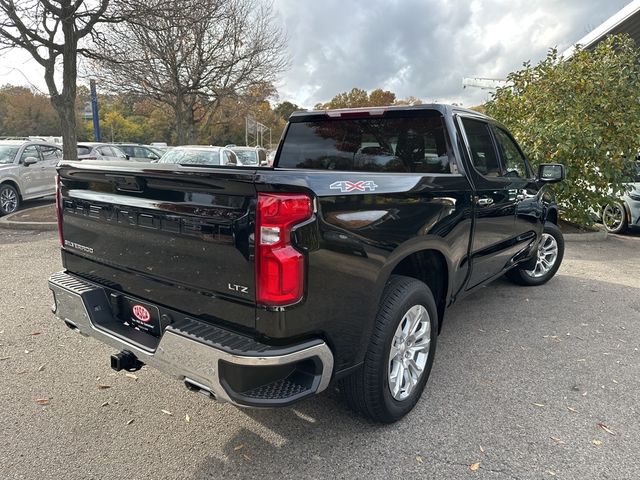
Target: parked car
(200, 155)
(251, 156)
(160, 146)
(263, 286)
(27, 171)
(100, 151)
(140, 153)
(618, 217)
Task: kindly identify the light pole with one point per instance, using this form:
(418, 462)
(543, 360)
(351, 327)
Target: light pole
(94, 110)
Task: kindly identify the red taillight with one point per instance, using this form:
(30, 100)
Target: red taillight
(279, 266)
(59, 210)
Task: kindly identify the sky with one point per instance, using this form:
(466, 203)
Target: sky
(420, 48)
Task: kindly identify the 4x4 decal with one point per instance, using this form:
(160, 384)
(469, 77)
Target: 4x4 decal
(360, 186)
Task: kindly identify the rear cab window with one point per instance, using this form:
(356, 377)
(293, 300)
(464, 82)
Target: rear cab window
(407, 143)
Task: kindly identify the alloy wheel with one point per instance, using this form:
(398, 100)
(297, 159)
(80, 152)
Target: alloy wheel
(8, 200)
(409, 352)
(612, 217)
(547, 256)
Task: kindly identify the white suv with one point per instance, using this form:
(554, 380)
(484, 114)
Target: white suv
(27, 171)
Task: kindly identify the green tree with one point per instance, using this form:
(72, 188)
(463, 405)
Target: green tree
(583, 112)
(358, 97)
(285, 109)
(25, 112)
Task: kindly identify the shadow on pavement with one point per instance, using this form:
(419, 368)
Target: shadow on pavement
(501, 350)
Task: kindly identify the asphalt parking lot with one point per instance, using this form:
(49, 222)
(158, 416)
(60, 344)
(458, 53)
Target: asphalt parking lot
(528, 383)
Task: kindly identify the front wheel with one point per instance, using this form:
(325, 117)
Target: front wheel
(400, 354)
(614, 218)
(549, 257)
(9, 199)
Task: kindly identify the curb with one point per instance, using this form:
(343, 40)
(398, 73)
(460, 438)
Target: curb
(599, 236)
(7, 223)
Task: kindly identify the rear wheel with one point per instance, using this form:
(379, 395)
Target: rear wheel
(9, 199)
(400, 355)
(614, 218)
(549, 257)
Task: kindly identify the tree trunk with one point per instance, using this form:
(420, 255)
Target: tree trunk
(67, 115)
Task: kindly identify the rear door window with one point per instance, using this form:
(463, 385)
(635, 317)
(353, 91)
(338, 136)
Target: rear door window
(404, 144)
(50, 153)
(483, 153)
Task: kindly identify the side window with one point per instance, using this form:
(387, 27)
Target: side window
(514, 163)
(30, 151)
(141, 152)
(107, 151)
(50, 153)
(483, 154)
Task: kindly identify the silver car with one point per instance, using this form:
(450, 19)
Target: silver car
(200, 155)
(618, 217)
(27, 171)
(100, 151)
(140, 153)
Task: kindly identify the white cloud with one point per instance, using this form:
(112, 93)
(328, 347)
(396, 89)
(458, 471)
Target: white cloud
(419, 48)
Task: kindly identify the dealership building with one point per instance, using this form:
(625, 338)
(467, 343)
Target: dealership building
(627, 20)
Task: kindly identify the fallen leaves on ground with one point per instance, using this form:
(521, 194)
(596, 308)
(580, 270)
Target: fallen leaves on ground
(538, 405)
(187, 418)
(419, 459)
(104, 404)
(130, 422)
(131, 375)
(238, 447)
(557, 440)
(605, 428)
(102, 386)
(474, 466)
(33, 334)
(167, 412)
(42, 401)
(572, 409)
(597, 443)
(41, 367)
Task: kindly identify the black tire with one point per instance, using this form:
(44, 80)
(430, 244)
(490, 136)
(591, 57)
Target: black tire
(523, 276)
(367, 390)
(608, 221)
(8, 192)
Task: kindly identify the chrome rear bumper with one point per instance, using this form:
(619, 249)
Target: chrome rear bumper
(195, 359)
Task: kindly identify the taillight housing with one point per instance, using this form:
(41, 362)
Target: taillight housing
(59, 210)
(279, 266)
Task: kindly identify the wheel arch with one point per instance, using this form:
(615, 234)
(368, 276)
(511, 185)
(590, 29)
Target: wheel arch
(428, 262)
(14, 184)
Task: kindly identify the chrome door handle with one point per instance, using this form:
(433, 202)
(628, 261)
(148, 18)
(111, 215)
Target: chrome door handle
(483, 202)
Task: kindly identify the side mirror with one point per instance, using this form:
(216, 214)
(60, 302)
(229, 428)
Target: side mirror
(551, 172)
(153, 157)
(29, 161)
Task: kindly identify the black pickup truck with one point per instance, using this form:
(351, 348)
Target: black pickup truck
(262, 286)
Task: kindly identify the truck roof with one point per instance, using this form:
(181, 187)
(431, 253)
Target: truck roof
(440, 107)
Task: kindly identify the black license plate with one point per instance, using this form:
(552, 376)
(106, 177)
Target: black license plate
(142, 315)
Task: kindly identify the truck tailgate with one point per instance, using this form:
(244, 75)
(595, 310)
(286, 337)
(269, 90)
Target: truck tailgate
(171, 235)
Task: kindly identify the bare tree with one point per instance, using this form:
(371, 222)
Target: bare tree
(53, 31)
(193, 54)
